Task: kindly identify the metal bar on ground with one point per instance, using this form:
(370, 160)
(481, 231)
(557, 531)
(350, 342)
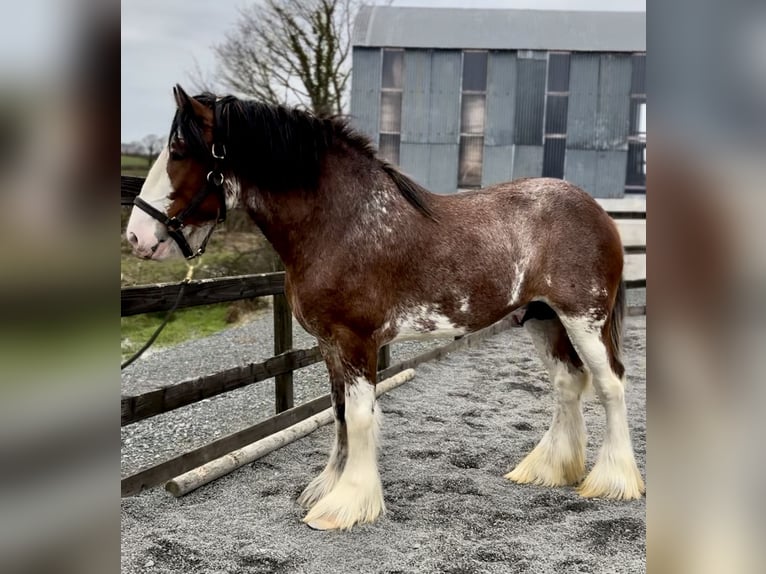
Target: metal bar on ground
(219, 467)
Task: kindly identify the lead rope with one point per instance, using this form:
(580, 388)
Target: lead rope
(182, 288)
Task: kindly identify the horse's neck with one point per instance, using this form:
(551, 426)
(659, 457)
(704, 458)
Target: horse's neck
(303, 225)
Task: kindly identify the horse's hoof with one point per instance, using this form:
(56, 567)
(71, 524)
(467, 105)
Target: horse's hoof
(322, 524)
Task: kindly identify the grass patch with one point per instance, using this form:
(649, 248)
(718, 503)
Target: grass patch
(185, 324)
(134, 165)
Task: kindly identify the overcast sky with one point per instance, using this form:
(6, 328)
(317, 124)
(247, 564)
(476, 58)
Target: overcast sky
(162, 38)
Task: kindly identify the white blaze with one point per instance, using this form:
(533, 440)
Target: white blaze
(155, 191)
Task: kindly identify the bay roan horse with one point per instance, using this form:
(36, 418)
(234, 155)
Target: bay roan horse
(371, 257)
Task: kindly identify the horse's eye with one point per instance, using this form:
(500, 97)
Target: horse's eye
(176, 155)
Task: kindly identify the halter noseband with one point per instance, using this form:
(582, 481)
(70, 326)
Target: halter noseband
(215, 180)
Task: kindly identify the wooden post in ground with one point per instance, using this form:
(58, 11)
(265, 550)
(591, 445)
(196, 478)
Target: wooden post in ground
(283, 341)
(384, 358)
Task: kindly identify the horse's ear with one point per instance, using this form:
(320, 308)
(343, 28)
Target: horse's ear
(185, 102)
(181, 97)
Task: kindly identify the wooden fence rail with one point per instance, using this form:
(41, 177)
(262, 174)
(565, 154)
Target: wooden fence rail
(138, 407)
(161, 297)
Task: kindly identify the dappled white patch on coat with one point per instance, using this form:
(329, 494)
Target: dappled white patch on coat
(520, 269)
(464, 304)
(421, 321)
(598, 291)
(377, 218)
(548, 280)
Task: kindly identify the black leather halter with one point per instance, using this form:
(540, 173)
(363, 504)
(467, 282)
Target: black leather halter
(214, 185)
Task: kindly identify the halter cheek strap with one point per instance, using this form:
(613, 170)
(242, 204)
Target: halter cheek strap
(214, 185)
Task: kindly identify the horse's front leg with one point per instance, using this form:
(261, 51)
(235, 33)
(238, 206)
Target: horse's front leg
(357, 494)
(328, 478)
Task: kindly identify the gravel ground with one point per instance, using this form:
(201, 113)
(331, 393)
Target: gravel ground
(448, 437)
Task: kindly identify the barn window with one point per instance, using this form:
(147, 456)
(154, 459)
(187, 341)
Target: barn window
(472, 118)
(635, 178)
(391, 84)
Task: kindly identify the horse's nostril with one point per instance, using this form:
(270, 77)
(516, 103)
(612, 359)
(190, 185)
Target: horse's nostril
(132, 238)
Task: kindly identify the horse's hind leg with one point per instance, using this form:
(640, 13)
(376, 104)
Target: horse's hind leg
(615, 474)
(559, 457)
(355, 495)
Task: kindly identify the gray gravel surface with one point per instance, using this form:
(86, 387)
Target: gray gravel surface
(448, 437)
(159, 438)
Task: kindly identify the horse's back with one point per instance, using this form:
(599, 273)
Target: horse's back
(527, 239)
(532, 213)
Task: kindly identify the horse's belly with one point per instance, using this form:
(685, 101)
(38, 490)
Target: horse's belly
(423, 323)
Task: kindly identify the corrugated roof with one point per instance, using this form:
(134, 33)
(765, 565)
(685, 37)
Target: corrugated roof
(488, 29)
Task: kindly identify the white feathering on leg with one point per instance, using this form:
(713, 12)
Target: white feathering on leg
(327, 479)
(358, 495)
(615, 474)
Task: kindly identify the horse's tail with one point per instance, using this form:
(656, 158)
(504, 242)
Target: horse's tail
(614, 325)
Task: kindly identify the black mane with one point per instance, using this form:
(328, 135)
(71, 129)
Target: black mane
(280, 148)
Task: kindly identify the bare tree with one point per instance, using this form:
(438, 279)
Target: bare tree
(291, 51)
(152, 145)
(132, 148)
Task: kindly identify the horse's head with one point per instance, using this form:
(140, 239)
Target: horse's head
(183, 196)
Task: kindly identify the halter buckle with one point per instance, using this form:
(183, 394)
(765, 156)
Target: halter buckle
(174, 224)
(218, 155)
(215, 177)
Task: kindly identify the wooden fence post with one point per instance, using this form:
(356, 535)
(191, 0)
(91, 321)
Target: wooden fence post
(384, 357)
(283, 341)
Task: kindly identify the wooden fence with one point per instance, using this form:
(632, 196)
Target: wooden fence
(152, 298)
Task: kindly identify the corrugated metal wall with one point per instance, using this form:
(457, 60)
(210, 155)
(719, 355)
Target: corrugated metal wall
(416, 97)
(444, 109)
(415, 153)
(444, 120)
(365, 91)
(613, 122)
(598, 123)
(501, 113)
(583, 101)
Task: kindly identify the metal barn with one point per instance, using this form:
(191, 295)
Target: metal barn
(463, 98)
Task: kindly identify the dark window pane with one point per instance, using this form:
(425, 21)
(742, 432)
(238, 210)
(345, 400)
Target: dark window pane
(390, 111)
(470, 162)
(393, 69)
(558, 73)
(556, 115)
(389, 147)
(636, 164)
(638, 77)
(553, 157)
(472, 115)
(530, 102)
(475, 71)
